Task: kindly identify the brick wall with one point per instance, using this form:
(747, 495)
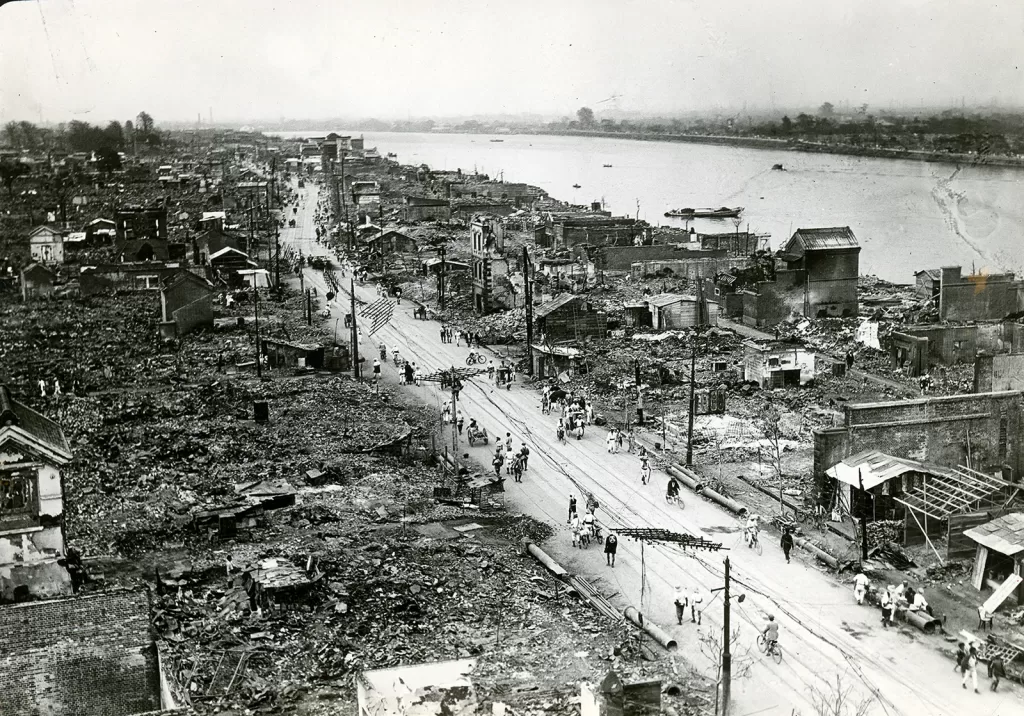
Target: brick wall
(932, 430)
(622, 258)
(86, 656)
(978, 298)
(1000, 372)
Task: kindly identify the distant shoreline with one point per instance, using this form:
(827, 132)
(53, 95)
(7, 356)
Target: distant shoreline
(797, 146)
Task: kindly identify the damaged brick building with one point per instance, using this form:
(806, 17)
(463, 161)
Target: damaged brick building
(981, 431)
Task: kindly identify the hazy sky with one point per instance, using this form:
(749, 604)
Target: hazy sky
(256, 59)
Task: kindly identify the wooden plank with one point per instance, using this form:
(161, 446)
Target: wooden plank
(1000, 595)
(980, 557)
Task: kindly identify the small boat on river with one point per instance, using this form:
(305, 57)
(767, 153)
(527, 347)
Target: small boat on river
(721, 213)
(575, 186)
(607, 166)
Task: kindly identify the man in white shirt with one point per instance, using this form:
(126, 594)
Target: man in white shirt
(681, 603)
(860, 586)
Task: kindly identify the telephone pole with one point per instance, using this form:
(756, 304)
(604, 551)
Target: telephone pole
(726, 653)
(528, 293)
(256, 302)
(454, 377)
(355, 330)
(440, 278)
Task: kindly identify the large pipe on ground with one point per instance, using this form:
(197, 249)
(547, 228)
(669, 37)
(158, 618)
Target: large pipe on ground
(816, 551)
(542, 557)
(693, 481)
(922, 620)
(651, 628)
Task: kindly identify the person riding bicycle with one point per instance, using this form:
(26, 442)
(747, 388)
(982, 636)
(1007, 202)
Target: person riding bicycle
(472, 356)
(395, 356)
(751, 529)
(672, 492)
(588, 522)
(771, 633)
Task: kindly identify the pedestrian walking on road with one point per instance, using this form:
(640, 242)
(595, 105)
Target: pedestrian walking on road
(610, 441)
(572, 508)
(886, 603)
(458, 337)
(696, 599)
(498, 461)
(971, 669)
(459, 422)
(787, 543)
(579, 431)
(490, 369)
(961, 656)
(508, 443)
(576, 525)
(645, 470)
(525, 452)
(681, 603)
(611, 543)
(860, 586)
(996, 671)
(376, 369)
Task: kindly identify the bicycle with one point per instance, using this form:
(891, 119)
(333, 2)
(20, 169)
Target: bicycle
(475, 358)
(815, 516)
(774, 651)
(676, 500)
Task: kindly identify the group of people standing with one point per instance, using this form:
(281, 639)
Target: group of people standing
(518, 462)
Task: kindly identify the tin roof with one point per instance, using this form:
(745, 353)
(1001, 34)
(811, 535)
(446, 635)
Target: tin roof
(1004, 534)
(553, 305)
(836, 237)
(874, 468)
(667, 299)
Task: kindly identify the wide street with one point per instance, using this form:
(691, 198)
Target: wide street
(823, 632)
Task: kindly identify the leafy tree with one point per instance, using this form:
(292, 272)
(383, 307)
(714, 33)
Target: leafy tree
(804, 122)
(13, 134)
(107, 160)
(585, 115)
(787, 125)
(114, 134)
(145, 124)
(30, 134)
(826, 109)
(9, 172)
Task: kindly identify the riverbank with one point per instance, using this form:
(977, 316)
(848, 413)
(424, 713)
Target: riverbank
(796, 145)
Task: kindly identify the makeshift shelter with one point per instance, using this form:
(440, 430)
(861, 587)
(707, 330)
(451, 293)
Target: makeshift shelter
(440, 687)
(999, 557)
(930, 499)
(551, 361)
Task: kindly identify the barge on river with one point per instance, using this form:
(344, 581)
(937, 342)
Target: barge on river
(720, 213)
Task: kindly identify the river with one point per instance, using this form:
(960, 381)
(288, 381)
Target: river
(907, 215)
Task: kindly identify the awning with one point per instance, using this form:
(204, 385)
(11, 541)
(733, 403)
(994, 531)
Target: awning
(874, 467)
(1004, 535)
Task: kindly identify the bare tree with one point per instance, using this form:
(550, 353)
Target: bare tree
(712, 645)
(769, 425)
(837, 699)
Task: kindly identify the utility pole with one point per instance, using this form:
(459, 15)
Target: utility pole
(726, 648)
(256, 302)
(277, 260)
(863, 522)
(454, 376)
(355, 330)
(528, 293)
(440, 278)
(726, 665)
(689, 426)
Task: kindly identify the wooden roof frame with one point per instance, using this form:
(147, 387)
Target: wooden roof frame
(943, 495)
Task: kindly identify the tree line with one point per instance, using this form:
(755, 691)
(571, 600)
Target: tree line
(78, 136)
